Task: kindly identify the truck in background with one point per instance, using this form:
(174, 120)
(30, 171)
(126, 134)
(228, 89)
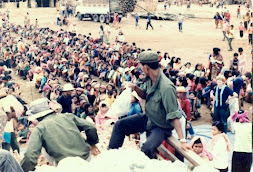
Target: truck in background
(98, 10)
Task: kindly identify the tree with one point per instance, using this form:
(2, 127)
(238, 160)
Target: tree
(127, 6)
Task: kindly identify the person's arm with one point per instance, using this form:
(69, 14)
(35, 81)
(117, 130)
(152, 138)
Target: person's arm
(231, 93)
(140, 92)
(34, 148)
(169, 100)
(89, 128)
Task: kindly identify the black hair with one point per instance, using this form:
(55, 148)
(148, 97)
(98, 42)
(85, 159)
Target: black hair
(103, 105)
(227, 74)
(178, 59)
(197, 141)
(240, 49)
(188, 63)
(235, 54)
(110, 93)
(219, 126)
(216, 51)
(248, 75)
(190, 76)
(235, 73)
(154, 65)
(183, 80)
(173, 79)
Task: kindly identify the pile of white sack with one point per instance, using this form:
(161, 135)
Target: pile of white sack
(123, 160)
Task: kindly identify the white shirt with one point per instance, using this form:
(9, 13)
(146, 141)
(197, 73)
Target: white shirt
(220, 154)
(189, 70)
(198, 73)
(9, 126)
(107, 29)
(243, 137)
(164, 62)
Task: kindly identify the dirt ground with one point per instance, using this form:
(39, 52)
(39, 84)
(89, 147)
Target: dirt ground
(194, 44)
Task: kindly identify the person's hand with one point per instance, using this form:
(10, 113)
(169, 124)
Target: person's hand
(185, 146)
(3, 141)
(94, 150)
(130, 85)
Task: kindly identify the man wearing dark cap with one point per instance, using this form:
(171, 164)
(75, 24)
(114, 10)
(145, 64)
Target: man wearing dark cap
(161, 110)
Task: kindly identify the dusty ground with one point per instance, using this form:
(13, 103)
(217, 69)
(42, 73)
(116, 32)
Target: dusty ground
(194, 44)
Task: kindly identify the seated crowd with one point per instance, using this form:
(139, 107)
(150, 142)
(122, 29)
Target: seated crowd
(96, 74)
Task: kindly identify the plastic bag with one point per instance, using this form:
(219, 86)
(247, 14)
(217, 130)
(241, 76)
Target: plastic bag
(121, 105)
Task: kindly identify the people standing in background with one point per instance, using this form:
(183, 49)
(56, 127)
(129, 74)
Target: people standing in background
(58, 20)
(149, 22)
(225, 27)
(8, 14)
(137, 20)
(230, 36)
(238, 11)
(180, 22)
(101, 33)
(228, 17)
(217, 19)
(241, 29)
(107, 33)
(117, 21)
(250, 30)
(246, 20)
(36, 23)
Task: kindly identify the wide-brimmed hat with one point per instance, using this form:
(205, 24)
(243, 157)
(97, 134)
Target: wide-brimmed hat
(181, 89)
(132, 68)
(68, 87)
(38, 109)
(127, 69)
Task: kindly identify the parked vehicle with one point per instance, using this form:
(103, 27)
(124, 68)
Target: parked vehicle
(98, 10)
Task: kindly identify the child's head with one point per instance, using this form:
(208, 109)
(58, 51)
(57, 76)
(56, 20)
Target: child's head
(220, 79)
(197, 146)
(240, 23)
(109, 94)
(217, 128)
(21, 126)
(32, 125)
(236, 55)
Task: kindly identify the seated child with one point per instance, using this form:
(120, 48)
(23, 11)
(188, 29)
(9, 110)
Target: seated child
(199, 147)
(22, 133)
(110, 99)
(100, 119)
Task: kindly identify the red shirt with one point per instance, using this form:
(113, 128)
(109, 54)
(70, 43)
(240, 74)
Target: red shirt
(228, 16)
(186, 107)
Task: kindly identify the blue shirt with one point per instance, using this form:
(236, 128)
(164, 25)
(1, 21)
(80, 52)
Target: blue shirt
(137, 18)
(237, 84)
(135, 109)
(149, 19)
(227, 92)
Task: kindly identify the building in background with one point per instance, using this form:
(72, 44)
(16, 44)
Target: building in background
(27, 3)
